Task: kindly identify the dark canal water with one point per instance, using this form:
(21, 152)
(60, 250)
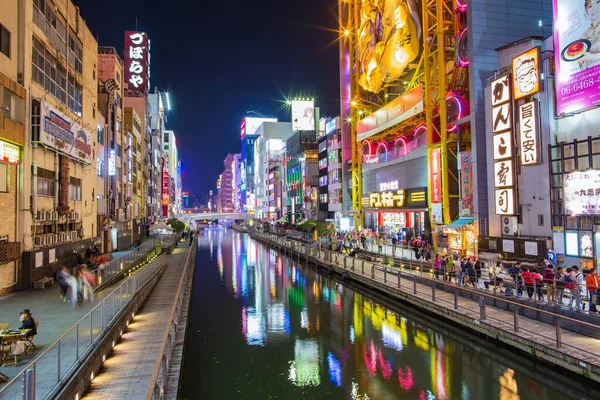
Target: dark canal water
(265, 327)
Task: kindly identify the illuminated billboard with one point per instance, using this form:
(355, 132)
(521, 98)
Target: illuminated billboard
(387, 41)
(576, 55)
(250, 125)
(65, 135)
(303, 115)
(137, 61)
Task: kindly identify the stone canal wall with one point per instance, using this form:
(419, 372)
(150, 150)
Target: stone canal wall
(547, 336)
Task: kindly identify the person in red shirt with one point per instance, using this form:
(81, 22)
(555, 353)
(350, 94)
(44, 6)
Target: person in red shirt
(593, 284)
(528, 279)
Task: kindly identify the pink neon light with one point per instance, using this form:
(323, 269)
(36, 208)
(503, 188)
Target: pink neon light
(461, 61)
(368, 158)
(459, 116)
(405, 379)
(462, 6)
(404, 143)
(418, 128)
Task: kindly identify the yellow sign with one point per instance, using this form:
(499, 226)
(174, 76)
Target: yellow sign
(387, 199)
(526, 73)
(388, 40)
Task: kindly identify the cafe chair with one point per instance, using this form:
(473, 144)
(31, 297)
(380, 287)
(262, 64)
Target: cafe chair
(29, 340)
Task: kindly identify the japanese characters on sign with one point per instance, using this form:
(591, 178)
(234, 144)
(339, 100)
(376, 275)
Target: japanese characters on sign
(526, 73)
(137, 61)
(65, 135)
(502, 141)
(390, 199)
(112, 162)
(528, 129)
(165, 189)
(392, 185)
(582, 192)
(435, 180)
(466, 183)
(9, 153)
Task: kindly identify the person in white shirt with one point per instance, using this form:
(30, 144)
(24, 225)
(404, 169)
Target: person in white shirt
(577, 277)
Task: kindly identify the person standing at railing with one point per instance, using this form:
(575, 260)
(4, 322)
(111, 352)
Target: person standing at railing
(549, 276)
(592, 288)
(484, 275)
(560, 284)
(380, 244)
(517, 274)
(528, 281)
(450, 267)
(437, 266)
(457, 272)
(577, 278)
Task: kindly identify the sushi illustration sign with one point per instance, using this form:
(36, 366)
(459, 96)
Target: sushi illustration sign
(577, 55)
(64, 135)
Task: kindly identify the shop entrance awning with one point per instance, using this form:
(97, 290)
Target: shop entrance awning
(459, 223)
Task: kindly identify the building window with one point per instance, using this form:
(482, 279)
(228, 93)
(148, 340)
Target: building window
(75, 189)
(3, 178)
(100, 167)
(75, 54)
(100, 135)
(75, 96)
(48, 72)
(45, 183)
(166, 137)
(52, 26)
(541, 219)
(4, 41)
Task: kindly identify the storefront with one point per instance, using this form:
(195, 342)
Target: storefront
(457, 238)
(400, 213)
(576, 202)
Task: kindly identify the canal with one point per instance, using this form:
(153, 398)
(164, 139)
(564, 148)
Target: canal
(263, 326)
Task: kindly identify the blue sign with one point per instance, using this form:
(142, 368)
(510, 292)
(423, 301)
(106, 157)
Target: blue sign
(551, 256)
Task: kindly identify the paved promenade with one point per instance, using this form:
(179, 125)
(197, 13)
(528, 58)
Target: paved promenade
(55, 317)
(577, 352)
(127, 373)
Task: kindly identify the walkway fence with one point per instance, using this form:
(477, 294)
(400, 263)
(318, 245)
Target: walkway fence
(43, 377)
(436, 290)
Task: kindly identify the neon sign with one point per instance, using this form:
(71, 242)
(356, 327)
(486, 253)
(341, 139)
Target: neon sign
(137, 61)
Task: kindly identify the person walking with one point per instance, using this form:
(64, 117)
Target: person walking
(538, 284)
(592, 283)
(450, 267)
(363, 241)
(62, 278)
(380, 244)
(559, 284)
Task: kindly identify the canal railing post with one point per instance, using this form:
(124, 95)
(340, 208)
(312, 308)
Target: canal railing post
(516, 318)
(399, 281)
(373, 271)
(456, 299)
(415, 284)
(353, 262)
(558, 333)
(363, 267)
(481, 308)
(29, 384)
(384, 275)
(433, 292)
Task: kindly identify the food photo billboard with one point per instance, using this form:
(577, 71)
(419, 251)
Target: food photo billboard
(576, 55)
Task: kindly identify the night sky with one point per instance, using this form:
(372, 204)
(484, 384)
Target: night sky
(221, 59)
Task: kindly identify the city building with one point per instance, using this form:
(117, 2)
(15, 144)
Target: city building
(268, 162)
(301, 172)
(172, 169)
(115, 206)
(236, 181)
(227, 184)
(157, 209)
(59, 68)
(248, 136)
(335, 190)
(135, 175)
(12, 140)
(416, 132)
(323, 175)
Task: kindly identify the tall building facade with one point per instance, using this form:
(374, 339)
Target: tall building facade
(13, 97)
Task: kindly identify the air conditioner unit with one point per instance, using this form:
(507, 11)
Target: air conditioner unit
(77, 216)
(57, 238)
(48, 215)
(509, 225)
(54, 215)
(41, 215)
(72, 215)
(37, 241)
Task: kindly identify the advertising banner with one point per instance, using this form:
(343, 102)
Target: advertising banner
(435, 180)
(250, 125)
(303, 115)
(582, 192)
(9, 153)
(388, 40)
(137, 61)
(165, 190)
(466, 183)
(576, 55)
(393, 113)
(68, 137)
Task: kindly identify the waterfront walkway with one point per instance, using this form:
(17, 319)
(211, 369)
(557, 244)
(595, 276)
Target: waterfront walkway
(500, 318)
(128, 372)
(55, 317)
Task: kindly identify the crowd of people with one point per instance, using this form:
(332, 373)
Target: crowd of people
(77, 283)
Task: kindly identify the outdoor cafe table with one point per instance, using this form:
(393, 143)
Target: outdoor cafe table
(6, 339)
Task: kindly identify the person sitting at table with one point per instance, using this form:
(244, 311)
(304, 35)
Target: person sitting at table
(27, 322)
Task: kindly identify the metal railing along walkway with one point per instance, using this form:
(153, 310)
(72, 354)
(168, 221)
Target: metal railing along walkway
(44, 376)
(448, 295)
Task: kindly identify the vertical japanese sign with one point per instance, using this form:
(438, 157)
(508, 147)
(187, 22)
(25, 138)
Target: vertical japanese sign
(528, 131)
(165, 189)
(137, 61)
(466, 183)
(435, 180)
(502, 140)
